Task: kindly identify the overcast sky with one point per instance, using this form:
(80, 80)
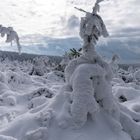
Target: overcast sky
(50, 17)
(59, 19)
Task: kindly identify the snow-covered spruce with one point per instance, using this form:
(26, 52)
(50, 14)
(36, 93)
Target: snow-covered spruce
(90, 81)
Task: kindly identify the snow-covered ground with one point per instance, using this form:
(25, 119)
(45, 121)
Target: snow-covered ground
(26, 103)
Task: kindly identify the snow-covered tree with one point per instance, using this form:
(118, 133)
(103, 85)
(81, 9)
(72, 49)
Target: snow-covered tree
(11, 36)
(88, 89)
(40, 65)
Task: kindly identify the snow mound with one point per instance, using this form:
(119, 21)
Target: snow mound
(129, 93)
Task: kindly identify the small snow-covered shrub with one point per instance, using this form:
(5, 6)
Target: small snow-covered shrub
(40, 66)
(2, 77)
(38, 134)
(131, 69)
(45, 92)
(37, 101)
(122, 98)
(1, 101)
(127, 78)
(117, 81)
(130, 126)
(65, 60)
(45, 118)
(15, 78)
(125, 93)
(36, 71)
(55, 76)
(8, 100)
(59, 68)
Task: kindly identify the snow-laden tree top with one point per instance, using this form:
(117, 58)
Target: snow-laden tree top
(92, 27)
(96, 8)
